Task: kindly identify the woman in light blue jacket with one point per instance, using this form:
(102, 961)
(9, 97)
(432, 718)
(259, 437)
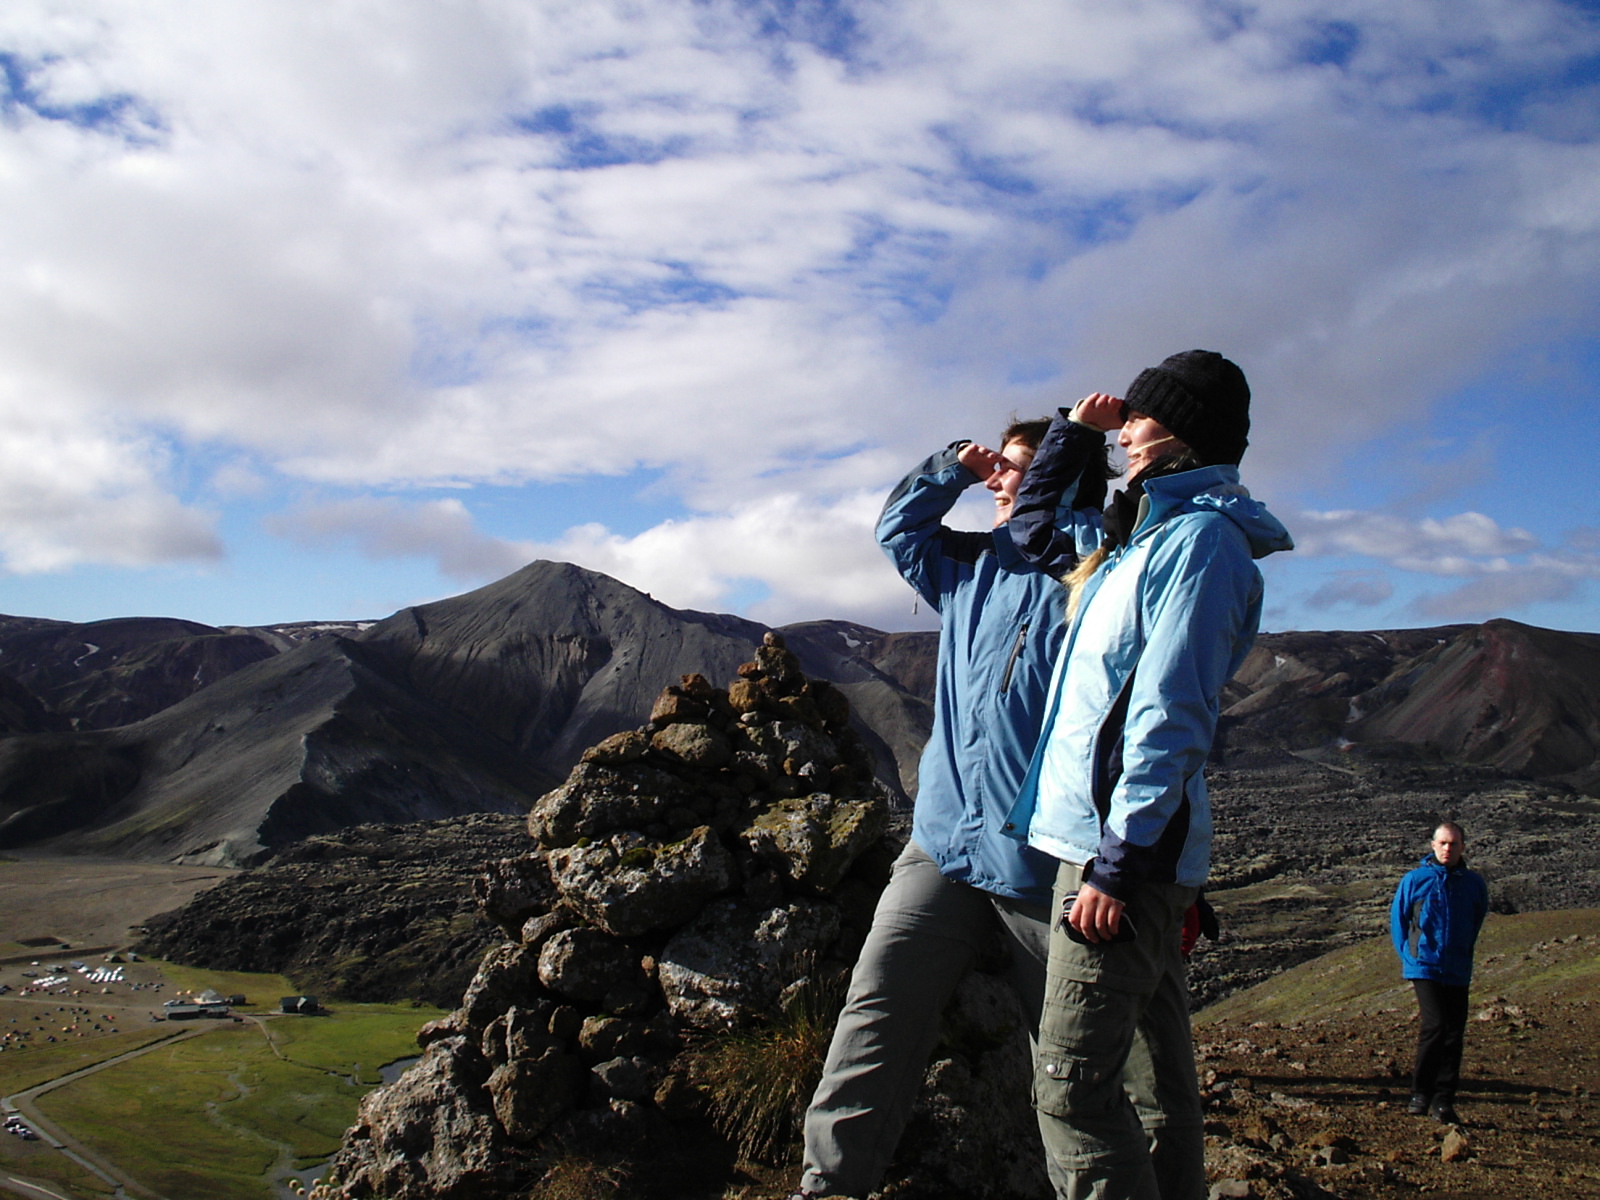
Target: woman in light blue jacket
(1115, 790)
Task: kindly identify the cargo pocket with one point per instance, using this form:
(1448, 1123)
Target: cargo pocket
(1085, 1034)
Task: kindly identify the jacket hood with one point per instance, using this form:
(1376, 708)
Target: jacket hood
(1217, 489)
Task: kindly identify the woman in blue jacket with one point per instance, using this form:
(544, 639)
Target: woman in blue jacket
(961, 882)
(1115, 792)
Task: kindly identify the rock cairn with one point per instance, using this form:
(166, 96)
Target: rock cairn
(684, 880)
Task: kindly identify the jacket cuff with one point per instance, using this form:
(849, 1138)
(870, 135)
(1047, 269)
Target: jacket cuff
(1112, 883)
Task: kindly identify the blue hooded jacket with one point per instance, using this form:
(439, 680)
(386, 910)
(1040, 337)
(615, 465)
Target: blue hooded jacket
(1434, 921)
(1116, 782)
(1000, 624)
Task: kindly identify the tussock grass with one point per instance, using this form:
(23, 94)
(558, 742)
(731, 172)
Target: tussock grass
(759, 1080)
(579, 1177)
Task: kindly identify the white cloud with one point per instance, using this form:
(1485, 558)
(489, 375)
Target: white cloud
(68, 499)
(809, 560)
(374, 245)
(1504, 569)
(1361, 589)
(1495, 595)
(440, 530)
(1465, 544)
(804, 560)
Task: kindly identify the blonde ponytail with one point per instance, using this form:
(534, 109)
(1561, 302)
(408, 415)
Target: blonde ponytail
(1079, 575)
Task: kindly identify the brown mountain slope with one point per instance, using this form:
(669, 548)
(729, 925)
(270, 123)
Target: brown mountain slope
(1521, 700)
(1506, 695)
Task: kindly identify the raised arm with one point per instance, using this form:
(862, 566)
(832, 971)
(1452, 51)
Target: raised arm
(1056, 517)
(911, 529)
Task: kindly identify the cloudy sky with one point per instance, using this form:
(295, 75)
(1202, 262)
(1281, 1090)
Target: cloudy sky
(319, 309)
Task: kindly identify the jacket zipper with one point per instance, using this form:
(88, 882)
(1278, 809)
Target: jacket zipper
(1016, 653)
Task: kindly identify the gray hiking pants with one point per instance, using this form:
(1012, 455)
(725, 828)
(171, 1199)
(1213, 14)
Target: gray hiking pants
(926, 932)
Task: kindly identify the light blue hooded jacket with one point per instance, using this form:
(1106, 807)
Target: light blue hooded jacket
(1000, 624)
(1116, 781)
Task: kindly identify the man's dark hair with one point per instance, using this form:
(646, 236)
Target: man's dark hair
(1030, 433)
(1451, 827)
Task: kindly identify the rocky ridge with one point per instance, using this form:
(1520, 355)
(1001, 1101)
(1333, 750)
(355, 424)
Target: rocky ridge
(695, 884)
(371, 913)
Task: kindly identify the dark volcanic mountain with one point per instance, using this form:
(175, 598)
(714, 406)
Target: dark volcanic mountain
(110, 673)
(479, 703)
(163, 739)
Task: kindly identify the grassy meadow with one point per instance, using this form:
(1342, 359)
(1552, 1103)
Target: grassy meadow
(227, 1112)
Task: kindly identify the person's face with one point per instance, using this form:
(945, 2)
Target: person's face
(1447, 847)
(1007, 478)
(1144, 439)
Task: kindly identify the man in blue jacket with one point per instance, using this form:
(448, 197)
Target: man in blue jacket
(961, 882)
(1434, 921)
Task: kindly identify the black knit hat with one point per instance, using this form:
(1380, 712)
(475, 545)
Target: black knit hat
(1202, 399)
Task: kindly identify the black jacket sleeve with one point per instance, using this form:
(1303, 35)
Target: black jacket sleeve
(1056, 517)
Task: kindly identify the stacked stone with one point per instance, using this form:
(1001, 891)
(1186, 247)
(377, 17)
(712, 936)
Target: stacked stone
(685, 878)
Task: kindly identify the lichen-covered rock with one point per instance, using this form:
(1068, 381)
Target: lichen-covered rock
(748, 696)
(773, 749)
(675, 705)
(815, 839)
(697, 745)
(507, 976)
(628, 885)
(450, 1025)
(517, 1032)
(587, 965)
(534, 1088)
(687, 876)
(605, 1037)
(431, 1135)
(972, 1127)
(625, 747)
(511, 890)
(622, 1078)
(599, 798)
(732, 963)
(538, 930)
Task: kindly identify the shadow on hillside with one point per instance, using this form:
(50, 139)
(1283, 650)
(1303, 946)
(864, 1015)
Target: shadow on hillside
(1368, 1089)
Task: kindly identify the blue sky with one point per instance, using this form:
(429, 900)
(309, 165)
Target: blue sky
(313, 311)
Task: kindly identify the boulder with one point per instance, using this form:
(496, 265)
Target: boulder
(599, 797)
(587, 965)
(631, 884)
(533, 1089)
(431, 1135)
(511, 890)
(507, 976)
(815, 839)
(731, 964)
